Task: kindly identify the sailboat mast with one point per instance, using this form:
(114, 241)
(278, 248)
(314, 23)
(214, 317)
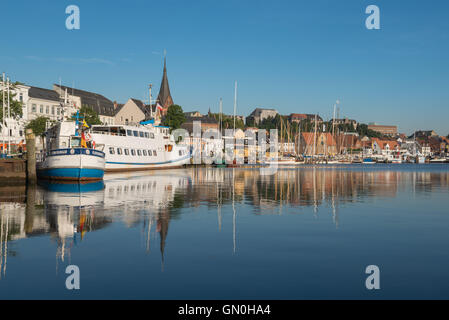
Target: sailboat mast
(235, 104)
(3, 120)
(314, 136)
(220, 116)
(9, 117)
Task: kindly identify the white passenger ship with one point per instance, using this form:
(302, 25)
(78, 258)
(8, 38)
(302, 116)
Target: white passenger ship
(142, 147)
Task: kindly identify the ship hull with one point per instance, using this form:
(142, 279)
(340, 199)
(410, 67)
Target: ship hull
(73, 165)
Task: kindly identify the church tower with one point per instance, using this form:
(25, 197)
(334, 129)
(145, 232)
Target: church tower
(164, 98)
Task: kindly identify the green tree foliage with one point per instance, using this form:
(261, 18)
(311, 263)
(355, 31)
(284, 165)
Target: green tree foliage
(16, 106)
(362, 130)
(227, 121)
(174, 118)
(38, 125)
(89, 115)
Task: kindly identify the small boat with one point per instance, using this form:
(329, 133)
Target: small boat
(368, 161)
(421, 159)
(438, 160)
(68, 156)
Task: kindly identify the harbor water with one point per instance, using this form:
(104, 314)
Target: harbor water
(231, 233)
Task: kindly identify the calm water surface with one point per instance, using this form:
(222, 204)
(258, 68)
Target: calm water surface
(231, 234)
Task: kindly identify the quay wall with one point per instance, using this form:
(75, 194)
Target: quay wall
(12, 170)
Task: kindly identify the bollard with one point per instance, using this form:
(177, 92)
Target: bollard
(31, 156)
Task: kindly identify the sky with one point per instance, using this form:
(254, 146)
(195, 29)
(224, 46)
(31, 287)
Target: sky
(295, 56)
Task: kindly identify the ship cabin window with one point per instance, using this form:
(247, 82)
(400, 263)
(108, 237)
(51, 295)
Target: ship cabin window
(133, 152)
(129, 133)
(126, 152)
(117, 131)
(150, 153)
(147, 135)
(139, 153)
(180, 152)
(141, 134)
(111, 150)
(144, 152)
(154, 153)
(136, 133)
(151, 135)
(75, 142)
(168, 147)
(119, 151)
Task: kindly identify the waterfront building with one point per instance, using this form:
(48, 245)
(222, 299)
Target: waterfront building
(193, 114)
(77, 98)
(43, 103)
(384, 129)
(298, 117)
(132, 112)
(206, 122)
(259, 114)
(345, 121)
(325, 144)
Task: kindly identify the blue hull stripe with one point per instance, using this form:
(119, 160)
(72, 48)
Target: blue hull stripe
(72, 173)
(149, 163)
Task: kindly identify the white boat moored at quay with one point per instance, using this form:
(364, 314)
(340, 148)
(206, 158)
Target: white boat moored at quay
(66, 158)
(141, 147)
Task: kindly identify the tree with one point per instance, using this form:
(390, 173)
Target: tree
(89, 115)
(15, 106)
(174, 118)
(38, 125)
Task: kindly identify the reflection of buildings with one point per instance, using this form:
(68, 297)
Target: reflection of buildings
(68, 212)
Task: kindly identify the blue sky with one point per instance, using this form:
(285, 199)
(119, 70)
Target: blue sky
(296, 56)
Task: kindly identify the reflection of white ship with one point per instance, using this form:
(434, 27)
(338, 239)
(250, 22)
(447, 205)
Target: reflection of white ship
(154, 190)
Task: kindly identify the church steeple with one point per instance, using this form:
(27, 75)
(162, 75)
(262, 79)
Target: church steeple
(164, 98)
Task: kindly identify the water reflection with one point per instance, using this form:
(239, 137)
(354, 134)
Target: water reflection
(66, 212)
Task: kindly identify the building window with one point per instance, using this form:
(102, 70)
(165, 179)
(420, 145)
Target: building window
(121, 119)
(47, 109)
(33, 108)
(21, 97)
(42, 109)
(53, 110)
(58, 111)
